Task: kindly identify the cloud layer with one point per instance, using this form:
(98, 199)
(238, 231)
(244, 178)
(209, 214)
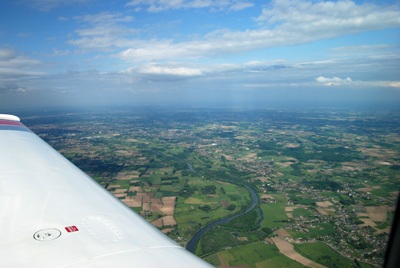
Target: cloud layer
(283, 23)
(145, 50)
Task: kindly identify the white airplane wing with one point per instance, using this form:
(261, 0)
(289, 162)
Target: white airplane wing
(54, 215)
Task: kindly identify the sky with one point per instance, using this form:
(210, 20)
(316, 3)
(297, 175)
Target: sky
(216, 53)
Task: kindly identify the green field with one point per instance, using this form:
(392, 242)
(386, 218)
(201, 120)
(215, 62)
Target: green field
(324, 255)
(274, 215)
(302, 212)
(388, 221)
(318, 230)
(256, 255)
(199, 209)
(213, 259)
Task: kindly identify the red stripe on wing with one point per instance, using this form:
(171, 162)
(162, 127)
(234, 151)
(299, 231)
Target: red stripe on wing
(11, 123)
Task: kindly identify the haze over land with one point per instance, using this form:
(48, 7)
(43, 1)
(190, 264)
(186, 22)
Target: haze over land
(225, 53)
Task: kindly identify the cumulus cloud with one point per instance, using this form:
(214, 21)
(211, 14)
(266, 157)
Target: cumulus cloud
(162, 49)
(282, 23)
(178, 71)
(334, 81)
(164, 70)
(162, 5)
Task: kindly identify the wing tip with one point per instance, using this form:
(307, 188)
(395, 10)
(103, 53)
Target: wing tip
(9, 117)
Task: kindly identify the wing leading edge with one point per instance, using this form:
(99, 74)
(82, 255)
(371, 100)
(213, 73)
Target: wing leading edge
(54, 215)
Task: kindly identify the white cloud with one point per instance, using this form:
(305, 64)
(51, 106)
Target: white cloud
(395, 84)
(57, 52)
(240, 6)
(388, 84)
(284, 23)
(363, 47)
(163, 49)
(104, 18)
(6, 54)
(335, 79)
(377, 84)
(105, 32)
(14, 68)
(166, 70)
(376, 52)
(7, 73)
(162, 5)
(10, 59)
(20, 89)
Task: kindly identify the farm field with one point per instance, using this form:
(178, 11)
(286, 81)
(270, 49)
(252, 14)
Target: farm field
(320, 176)
(253, 256)
(324, 255)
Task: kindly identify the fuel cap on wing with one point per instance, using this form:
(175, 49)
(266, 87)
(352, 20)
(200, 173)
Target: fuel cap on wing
(47, 234)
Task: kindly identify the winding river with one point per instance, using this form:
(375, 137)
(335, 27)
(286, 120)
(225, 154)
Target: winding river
(254, 201)
(192, 243)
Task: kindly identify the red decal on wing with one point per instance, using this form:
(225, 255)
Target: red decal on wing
(71, 229)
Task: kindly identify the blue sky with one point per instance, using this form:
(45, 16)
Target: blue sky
(77, 53)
